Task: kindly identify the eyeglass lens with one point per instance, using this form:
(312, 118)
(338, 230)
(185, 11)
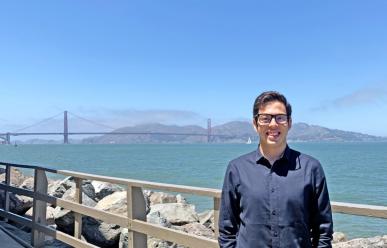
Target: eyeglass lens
(266, 118)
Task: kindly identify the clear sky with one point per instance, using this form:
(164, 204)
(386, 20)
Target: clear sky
(126, 62)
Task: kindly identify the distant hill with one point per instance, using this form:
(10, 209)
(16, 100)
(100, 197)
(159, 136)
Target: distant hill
(305, 132)
(151, 138)
(233, 132)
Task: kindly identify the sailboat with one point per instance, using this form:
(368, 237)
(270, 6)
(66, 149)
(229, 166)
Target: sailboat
(248, 141)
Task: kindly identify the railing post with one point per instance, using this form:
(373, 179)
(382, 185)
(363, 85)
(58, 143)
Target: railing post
(136, 210)
(216, 215)
(39, 207)
(6, 192)
(78, 216)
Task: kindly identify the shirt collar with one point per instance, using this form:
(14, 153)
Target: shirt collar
(285, 155)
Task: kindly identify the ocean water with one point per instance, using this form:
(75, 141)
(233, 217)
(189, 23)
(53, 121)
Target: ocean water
(356, 172)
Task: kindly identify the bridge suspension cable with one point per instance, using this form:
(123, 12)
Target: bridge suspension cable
(92, 122)
(37, 123)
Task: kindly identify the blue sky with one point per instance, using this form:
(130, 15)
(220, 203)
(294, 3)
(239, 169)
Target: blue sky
(126, 62)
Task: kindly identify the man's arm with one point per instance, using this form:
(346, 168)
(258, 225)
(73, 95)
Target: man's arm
(322, 226)
(229, 210)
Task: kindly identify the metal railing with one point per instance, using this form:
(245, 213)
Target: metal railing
(135, 221)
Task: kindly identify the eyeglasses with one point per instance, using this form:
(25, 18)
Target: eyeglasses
(265, 119)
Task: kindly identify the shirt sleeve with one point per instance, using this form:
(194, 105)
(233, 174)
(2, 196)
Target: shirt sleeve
(229, 209)
(322, 224)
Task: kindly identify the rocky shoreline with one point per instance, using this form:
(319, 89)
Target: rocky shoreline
(167, 210)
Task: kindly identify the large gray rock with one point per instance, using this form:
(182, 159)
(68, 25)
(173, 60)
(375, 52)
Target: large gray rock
(17, 203)
(114, 203)
(103, 189)
(147, 194)
(28, 183)
(24, 204)
(69, 195)
(64, 218)
(199, 230)
(17, 177)
(156, 218)
(180, 199)
(161, 197)
(88, 189)
(151, 242)
(100, 233)
(207, 219)
(161, 214)
(176, 213)
(123, 242)
(50, 218)
(339, 237)
(374, 242)
(106, 234)
(58, 188)
(158, 243)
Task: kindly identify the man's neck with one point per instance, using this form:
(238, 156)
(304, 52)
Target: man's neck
(272, 153)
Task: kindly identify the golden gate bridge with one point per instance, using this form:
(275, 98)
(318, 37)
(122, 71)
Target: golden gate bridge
(6, 136)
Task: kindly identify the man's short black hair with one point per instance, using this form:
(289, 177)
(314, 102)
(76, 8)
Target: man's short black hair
(271, 96)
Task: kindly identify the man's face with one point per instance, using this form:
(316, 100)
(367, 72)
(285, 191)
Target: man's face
(272, 135)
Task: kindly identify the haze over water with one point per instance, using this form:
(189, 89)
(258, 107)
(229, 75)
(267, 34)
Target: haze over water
(355, 171)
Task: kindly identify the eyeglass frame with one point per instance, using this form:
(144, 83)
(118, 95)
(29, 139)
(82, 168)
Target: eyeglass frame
(271, 118)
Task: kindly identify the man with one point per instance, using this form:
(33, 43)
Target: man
(274, 196)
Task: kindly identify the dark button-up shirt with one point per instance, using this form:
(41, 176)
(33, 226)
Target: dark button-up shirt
(284, 205)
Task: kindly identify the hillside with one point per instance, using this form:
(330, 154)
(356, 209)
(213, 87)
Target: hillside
(231, 132)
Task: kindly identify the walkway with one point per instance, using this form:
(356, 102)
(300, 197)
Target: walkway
(7, 241)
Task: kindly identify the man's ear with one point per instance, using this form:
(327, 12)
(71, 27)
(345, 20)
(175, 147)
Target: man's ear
(290, 123)
(255, 125)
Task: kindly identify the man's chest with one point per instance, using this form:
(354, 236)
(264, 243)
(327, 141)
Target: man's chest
(266, 195)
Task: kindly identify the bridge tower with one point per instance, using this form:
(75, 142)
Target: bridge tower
(8, 138)
(208, 130)
(66, 129)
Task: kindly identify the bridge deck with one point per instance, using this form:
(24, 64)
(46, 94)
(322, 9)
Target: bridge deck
(7, 241)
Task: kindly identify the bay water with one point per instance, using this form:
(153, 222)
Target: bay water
(356, 172)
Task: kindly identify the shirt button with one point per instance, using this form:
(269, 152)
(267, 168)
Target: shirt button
(275, 234)
(273, 213)
(272, 190)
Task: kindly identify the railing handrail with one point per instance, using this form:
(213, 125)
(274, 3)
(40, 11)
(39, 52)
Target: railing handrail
(123, 181)
(29, 167)
(135, 215)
